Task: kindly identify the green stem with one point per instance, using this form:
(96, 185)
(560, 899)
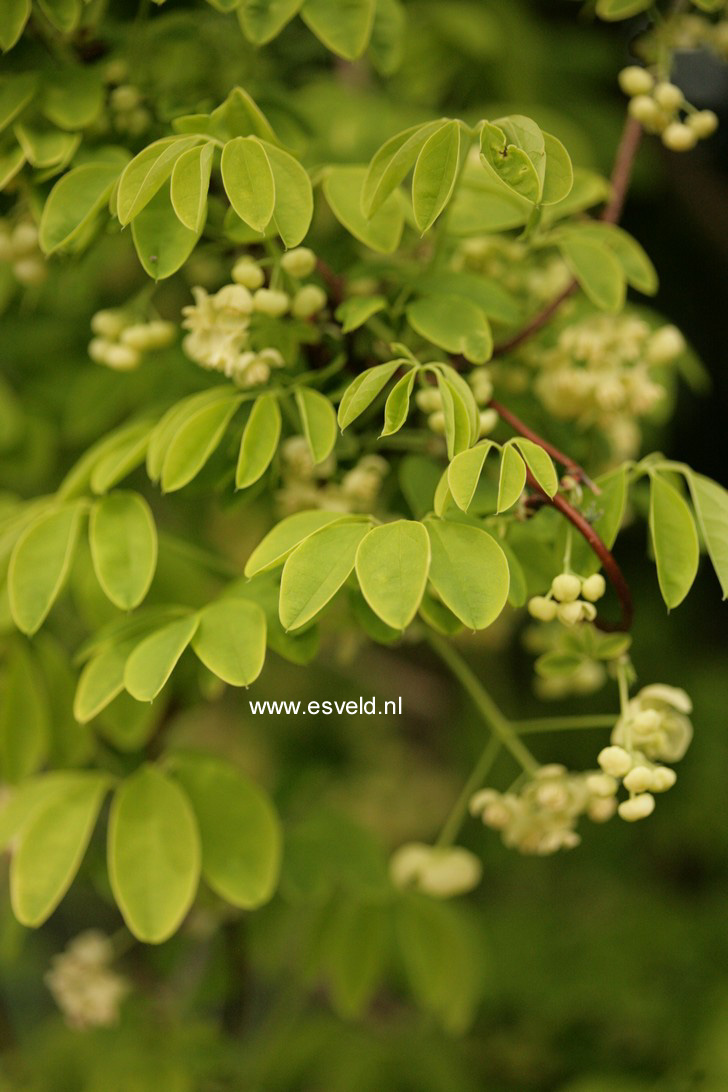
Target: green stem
(500, 726)
(452, 824)
(558, 724)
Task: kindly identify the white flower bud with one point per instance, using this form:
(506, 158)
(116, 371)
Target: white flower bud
(541, 608)
(601, 784)
(639, 779)
(30, 271)
(300, 262)
(136, 336)
(268, 301)
(588, 612)
(569, 613)
(108, 324)
(428, 399)
(637, 807)
(255, 374)
(679, 137)
(664, 345)
(122, 358)
(272, 357)
(663, 778)
(248, 273)
(235, 297)
(594, 587)
(668, 96)
(615, 761)
(98, 348)
(440, 872)
(635, 80)
(24, 239)
(566, 587)
(646, 722)
(436, 421)
(487, 421)
(160, 334)
(308, 301)
(599, 811)
(644, 109)
(481, 799)
(703, 123)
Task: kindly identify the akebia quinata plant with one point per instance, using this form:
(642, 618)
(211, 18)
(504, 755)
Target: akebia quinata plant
(411, 367)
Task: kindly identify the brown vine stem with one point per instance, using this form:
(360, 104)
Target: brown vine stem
(569, 464)
(605, 555)
(621, 174)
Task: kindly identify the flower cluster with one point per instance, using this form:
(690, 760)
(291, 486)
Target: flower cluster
(120, 340)
(19, 248)
(86, 989)
(541, 817)
(221, 324)
(599, 374)
(660, 107)
(570, 599)
(690, 30)
(429, 401)
(439, 871)
(654, 728)
(306, 484)
(535, 278)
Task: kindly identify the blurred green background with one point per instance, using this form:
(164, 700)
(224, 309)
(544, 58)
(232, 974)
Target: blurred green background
(606, 967)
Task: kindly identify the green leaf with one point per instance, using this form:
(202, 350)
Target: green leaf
(465, 392)
(362, 391)
(596, 269)
(260, 441)
(344, 26)
(248, 181)
(22, 802)
(194, 441)
(711, 506)
(147, 173)
(154, 659)
(189, 184)
(386, 46)
(123, 539)
(621, 9)
(162, 242)
(239, 115)
(47, 148)
(230, 640)
(285, 536)
(483, 204)
(10, 163)
(239, 829)
(319, 422)
(514, 149)
(469, 571)
(356, 948)
(166, 429)
(73, 203)
(392, 563)
(382, 231)
(52, 845)
(636, 265)
(554, 664)
(674, 541)
(153, 854)
(101, 680)
(354, 312)
(539, 463)
(263, 20)
(73, 97)
(125, 457)
(13, 17)
(435, 174)
(63, 14)
(316, 569)
(392, 163)
(457, 419)
(559, 175)
(24, 716)
(453, 323)
(439, 617)
(15, 94)
(40, 563)
(293, 196)
(488, 295)
(397, 405)
(442, 959)
(464, 472)
(512, 478)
